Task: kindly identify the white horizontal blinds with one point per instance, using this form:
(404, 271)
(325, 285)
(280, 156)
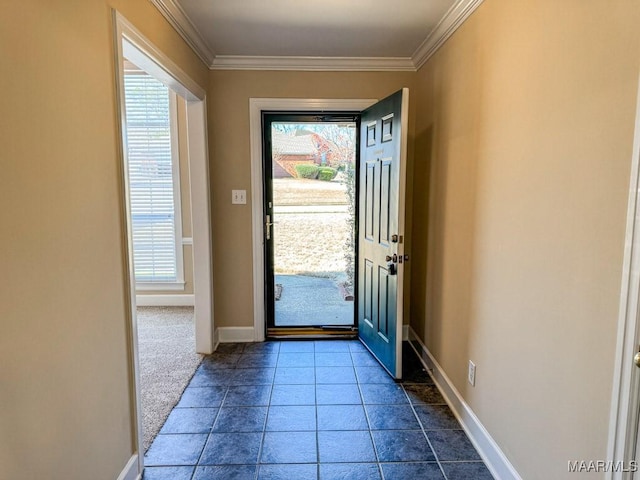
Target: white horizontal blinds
(151, 178)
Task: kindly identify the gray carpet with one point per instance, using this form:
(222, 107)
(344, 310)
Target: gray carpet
(166, 345)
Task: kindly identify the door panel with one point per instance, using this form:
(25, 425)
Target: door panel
(369, 212)
(383, 295)
(381, 248)
(385, 200)
(367, 293)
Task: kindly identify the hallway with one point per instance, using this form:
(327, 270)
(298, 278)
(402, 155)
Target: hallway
(310, 410)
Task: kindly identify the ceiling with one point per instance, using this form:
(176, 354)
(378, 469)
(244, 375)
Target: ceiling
(316, 34)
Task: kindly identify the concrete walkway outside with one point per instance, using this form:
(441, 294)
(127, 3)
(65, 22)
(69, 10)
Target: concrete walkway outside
(281, 209)
(311, 301)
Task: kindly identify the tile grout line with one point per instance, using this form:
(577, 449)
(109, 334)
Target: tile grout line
(366, 414)
(266, 418)
(444, 475)
(204, 446)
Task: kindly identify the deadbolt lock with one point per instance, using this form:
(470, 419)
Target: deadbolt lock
(391, 263)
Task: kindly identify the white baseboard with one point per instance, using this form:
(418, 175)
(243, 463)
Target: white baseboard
(235, 334)
(216, 339)
(130, 471)
(493, 456)
(165, 300)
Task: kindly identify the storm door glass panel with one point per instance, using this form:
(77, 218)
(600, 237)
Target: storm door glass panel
(313, 214)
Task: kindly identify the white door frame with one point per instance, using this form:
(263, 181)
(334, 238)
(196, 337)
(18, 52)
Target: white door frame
(256, 107)
(130, 43)
(626, 387)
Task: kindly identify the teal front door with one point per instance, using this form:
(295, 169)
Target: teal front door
(383, 150)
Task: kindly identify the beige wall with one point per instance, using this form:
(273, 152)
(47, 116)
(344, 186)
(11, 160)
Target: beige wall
(229, 93)
(64, 380)
(524, 134)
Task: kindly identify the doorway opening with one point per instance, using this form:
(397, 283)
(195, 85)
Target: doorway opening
(384, 131)
(159, 198)
(163, 153)
(310, 188)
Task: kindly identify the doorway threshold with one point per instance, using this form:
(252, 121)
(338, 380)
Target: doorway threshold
(312, 333)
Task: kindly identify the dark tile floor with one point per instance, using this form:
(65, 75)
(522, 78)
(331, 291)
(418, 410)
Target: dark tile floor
(297, 410)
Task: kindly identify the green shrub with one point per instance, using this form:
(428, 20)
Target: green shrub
(327, 173)
(306, 170)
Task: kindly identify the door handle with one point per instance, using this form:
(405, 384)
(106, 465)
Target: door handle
(267, 227)
(636, 359)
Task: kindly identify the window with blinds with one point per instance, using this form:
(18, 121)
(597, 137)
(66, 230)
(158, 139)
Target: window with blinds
(153, 181)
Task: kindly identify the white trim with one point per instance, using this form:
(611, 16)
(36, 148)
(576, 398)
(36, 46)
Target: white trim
(130, 470)
(216, 339)
(325, 64)
(187, 241)
(165, 300)
(492, 455)
(177, 190)
(148, 57)
(452, 20)
(235, 334)
(256, 107)
(402, 189)
(181, 23)
(120, 26)
(201, 225)
(623, 422)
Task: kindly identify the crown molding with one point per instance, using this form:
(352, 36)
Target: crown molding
(347, 64)
(179, 20)
(452, 20)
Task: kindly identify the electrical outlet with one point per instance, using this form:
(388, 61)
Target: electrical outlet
(238, 197)
(472, 374)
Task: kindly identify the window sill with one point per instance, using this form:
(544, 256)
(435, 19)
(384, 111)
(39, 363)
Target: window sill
(160, 286)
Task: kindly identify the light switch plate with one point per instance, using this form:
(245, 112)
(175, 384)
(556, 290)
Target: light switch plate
(471, 377)
(239, 197)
